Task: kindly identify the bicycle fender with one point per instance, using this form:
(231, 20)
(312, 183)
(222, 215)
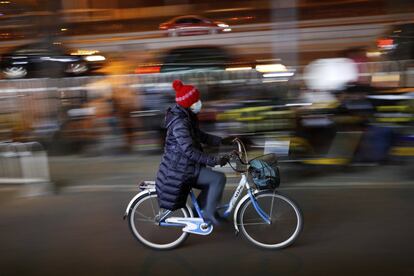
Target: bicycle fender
(134, 198)
(236, 211)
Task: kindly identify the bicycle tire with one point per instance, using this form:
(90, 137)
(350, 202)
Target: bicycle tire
(132, 221)
(276, 219)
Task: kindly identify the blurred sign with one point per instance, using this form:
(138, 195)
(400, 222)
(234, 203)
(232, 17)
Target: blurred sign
(280, 148)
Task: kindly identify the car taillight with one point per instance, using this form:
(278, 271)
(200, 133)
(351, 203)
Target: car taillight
(148, 70)
(385, 43)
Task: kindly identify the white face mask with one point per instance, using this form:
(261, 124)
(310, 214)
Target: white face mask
(196, 107)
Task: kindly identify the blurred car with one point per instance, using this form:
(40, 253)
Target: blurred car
(188, 58)
(398, 43)
(193, 25)
(207, 58)
(47, 60)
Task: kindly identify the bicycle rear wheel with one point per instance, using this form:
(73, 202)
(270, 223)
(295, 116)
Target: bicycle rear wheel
(143, 223)
(285, 216)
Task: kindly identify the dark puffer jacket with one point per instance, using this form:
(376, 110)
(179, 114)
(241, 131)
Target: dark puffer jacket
(183, 157)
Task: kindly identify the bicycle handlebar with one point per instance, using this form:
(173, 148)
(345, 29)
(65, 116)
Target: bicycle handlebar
(236, 153)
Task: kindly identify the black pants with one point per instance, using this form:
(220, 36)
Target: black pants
(211, 184)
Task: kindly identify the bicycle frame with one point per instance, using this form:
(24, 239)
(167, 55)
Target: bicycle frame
(246, 210)
(230, 206)
(250, 195)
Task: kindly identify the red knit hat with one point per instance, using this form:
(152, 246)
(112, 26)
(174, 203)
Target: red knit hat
(185, 95)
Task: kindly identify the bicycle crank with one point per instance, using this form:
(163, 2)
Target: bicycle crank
(192, 225)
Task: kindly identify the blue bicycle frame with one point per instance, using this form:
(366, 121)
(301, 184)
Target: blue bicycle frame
(229, 207)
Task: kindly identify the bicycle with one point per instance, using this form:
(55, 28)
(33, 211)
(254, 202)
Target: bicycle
(278, 220)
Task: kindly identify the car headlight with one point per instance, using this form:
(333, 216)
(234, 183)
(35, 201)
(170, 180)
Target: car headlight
(222, 25)
(270, 68)
(95, 58)
(84, 52)
(241, 68)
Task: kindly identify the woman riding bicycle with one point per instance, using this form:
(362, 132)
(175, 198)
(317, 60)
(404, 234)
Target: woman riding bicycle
(184, 164)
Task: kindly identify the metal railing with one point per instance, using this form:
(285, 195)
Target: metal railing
(25, 164)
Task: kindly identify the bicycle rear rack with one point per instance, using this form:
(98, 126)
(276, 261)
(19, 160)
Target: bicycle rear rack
(146, 185)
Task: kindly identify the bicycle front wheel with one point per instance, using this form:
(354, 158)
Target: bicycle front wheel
(143, 222)
(286, 221)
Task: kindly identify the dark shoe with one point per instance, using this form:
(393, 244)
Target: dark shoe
(220, 218)
(212, 220)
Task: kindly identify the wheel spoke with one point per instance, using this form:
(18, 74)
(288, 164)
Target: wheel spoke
(254, 220)
(254, 223)
(152, 206)
(150, 233)
(142, 215)
(285, 226)
(146, 220)
(271, 205)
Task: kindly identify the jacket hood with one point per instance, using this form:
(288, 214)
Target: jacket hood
(173, 113)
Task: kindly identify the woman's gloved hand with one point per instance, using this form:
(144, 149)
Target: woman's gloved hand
(223, 160)
(228, 140)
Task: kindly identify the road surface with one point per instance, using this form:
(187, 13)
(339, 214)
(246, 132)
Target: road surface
(364, 230)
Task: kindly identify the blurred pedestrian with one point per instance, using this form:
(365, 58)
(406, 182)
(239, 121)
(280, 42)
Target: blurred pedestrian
(125, 102)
